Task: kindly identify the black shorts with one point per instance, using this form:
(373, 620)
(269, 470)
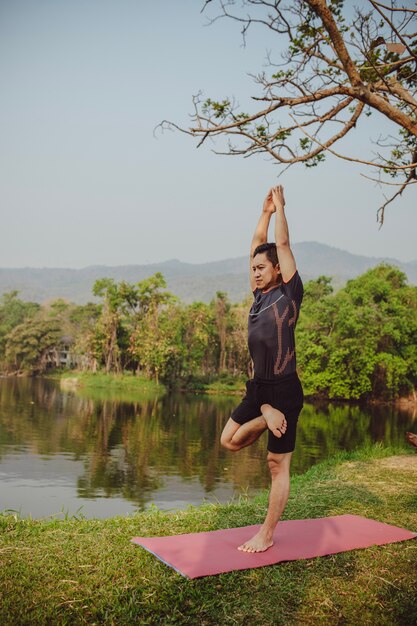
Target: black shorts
(284, 394)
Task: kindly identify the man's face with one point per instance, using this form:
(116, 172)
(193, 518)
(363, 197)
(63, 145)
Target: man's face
(266, 275)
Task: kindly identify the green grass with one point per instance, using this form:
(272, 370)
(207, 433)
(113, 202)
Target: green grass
(76, 571)
(108, 382)
(224, 385)
(223, 388)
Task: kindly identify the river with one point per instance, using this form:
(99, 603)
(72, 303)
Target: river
(96, 453)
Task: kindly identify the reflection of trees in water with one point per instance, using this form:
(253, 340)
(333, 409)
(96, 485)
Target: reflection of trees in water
(110, 469)
(322, 431)
(325, 429)
(190, 447)
(33, 414)
(396, 419)
(128, 448)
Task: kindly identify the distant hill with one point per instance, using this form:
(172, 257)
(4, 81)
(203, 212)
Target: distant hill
(190, 282)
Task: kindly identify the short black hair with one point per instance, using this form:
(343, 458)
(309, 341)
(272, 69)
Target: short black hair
(270, 250)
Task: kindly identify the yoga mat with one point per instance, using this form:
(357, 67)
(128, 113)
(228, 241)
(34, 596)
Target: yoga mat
(205, 554)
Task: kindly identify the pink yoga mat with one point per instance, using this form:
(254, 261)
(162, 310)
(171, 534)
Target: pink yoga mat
(204, 554)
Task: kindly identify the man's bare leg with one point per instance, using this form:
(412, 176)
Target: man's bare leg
(279, 466)
(236, 436)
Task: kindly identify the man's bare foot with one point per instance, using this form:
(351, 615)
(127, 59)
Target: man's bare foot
(275, 420)
(412, 438)
(259, 543)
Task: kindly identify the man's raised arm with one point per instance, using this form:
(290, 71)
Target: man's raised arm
(282, 239)
(261, 233)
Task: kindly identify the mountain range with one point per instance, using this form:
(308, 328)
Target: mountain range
(189, 281)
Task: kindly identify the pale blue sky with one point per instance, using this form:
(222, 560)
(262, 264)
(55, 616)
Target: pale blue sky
(83, 180)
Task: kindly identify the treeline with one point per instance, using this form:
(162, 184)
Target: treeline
(360, 342)
(137, 327)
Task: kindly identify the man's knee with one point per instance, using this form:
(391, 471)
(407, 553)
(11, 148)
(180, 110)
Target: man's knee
(279, 464)
(226, 442)
(226, 438)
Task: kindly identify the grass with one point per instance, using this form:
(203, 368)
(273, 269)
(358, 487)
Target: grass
(223, 388)
(129, 382)
(223, 384)
(76, 571)
(109, 382)
(70, 379)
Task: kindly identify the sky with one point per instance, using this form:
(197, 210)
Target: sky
(84, 178)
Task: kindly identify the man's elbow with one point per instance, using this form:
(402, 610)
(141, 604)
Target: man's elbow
(283, 243)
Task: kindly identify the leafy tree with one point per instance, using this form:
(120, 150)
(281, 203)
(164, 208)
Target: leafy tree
(387, 310)
(221, 307)
(151, 341)
(155, 347)
(28, 343)
(13, 312)
(84, 319)
(198, 340)
(314, 335)
(150, 295)
(239, 362)
(340, 64)
(109, 333)
(362, 341)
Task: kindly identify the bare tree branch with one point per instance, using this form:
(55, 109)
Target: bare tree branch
(384, 166)
(334, 70)
(381, 211)
(390, 8)
(388, 21)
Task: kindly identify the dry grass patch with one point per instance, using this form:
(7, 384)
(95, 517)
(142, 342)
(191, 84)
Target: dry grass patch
(401, 463)
(382, 475)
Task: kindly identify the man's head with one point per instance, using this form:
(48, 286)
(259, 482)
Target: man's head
(265, 266)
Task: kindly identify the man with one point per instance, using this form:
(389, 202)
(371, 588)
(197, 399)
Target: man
(274, 398)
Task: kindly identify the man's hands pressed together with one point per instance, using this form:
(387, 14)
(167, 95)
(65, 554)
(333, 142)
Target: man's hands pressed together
(278, 197)
(269, 206)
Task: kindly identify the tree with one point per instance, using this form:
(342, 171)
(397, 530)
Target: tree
(109, 330)
(27, 344)
(153, 343)
(150, 295)
(362, 341)
(340, 65)
(83, 319)
(221, 311)
(382, 333)
(198, 340)
(151, 340)
(314, 335)
(13, 312)
(239, 361)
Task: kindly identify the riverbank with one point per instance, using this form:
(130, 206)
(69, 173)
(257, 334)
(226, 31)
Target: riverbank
(75, 571)
(223, 385)
(129, 381)
(100, 380)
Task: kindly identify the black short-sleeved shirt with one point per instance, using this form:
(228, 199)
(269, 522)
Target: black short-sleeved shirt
(271, 326)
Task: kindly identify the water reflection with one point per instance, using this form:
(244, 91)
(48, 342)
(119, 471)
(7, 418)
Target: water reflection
(114, 454)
